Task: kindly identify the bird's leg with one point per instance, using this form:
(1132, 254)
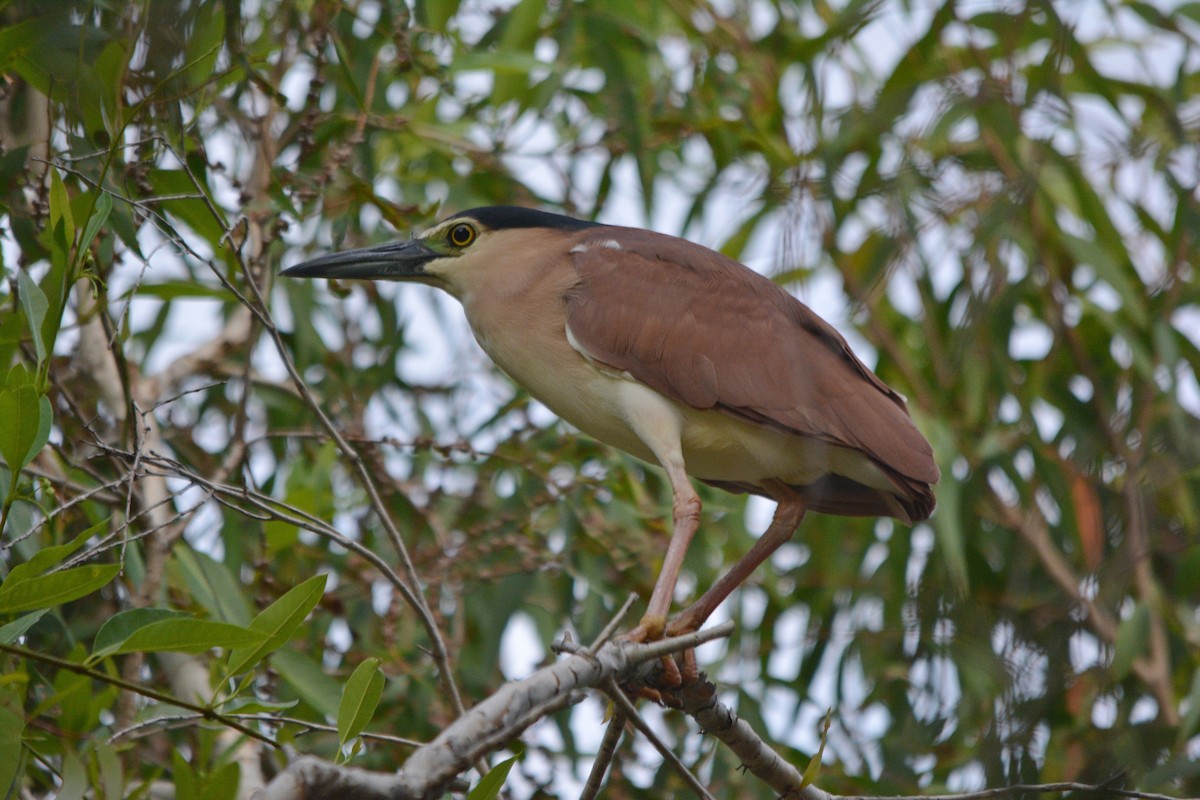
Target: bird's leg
(788, 515)
(685, 512)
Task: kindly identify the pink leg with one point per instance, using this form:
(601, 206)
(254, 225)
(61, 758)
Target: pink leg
(788, 515)
(685, 512)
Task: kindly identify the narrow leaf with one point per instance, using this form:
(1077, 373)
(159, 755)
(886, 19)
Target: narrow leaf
(254, 705)
(60, 207)
(359, 700)
(278, 622)
(1132, 637)
(16, 629)
(44, 421)
(222, 782)
(17, 40)
(74, 777)
(19, 408)
(814, 764)
(489, 785)
(212, 585)
(187, 636)
(117, 629)
(48, 557)
(35, 305)
(96, 221)
(12, 725)
(56, 588)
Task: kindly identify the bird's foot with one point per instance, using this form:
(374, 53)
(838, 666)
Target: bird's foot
(681, 625)
(677, 671)
(650, 629)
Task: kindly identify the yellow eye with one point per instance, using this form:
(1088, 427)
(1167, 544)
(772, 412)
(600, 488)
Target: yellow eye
(461, 235)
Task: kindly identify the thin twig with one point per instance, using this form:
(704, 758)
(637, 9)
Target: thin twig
(1020, 788)
(642, 652)
(605, 755)
(317, 726)
(613, 623)
(129, 686)
(626, 706)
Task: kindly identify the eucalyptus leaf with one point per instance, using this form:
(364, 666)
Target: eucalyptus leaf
(360, 698)
(56, 588)
(278, 622)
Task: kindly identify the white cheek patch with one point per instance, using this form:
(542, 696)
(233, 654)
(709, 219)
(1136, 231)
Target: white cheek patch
(611, 244)
(579, 248)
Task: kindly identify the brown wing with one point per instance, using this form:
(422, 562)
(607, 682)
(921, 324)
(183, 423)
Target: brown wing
(706, 331)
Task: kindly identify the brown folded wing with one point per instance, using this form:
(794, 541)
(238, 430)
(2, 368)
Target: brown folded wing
(704, 330)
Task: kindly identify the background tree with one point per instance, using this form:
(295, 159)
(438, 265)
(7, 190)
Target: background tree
(226, 500)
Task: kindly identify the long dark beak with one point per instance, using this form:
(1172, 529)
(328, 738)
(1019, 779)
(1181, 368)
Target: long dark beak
(395, 261)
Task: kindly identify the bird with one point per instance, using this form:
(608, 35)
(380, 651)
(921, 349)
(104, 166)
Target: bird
(680, 356)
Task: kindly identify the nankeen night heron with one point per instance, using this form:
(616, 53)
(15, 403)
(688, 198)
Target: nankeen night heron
(680, 356)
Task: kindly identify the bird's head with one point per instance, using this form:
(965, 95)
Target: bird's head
(451, 253)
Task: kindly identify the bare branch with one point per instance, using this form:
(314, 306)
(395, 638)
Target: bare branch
(494, 722)
(699, 700)
(311, 778)
(617, 696)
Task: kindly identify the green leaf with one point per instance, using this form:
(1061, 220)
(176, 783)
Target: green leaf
(1132, 637)
(279, 621)
(45, 420)
(254, 705)
(222, 783)
(118, 628)
(187, 636)
(96, 221)
(21, 412)
(56, 588)
(489, 785)
(12, 330)
(212, 585)
(359, 700)
(814, 764)
(35, 305)
(112, 776)
(16, 629)
(186, 202)
(60, 207)
(204, 44)
(74, 778)
(17, 40)
(12, 726)
(187, 784)
(434, 14)
(48, 557)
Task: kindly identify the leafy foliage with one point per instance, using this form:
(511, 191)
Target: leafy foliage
(234, 509)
